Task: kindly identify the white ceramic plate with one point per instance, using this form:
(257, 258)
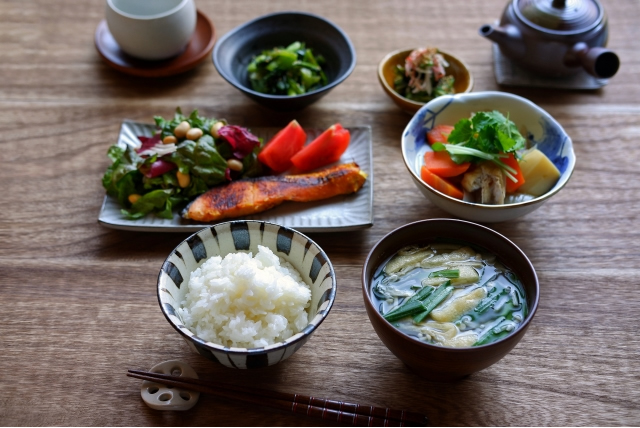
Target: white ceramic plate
(340, 213)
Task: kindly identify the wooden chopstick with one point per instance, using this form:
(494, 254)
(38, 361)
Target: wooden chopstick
(336, 411)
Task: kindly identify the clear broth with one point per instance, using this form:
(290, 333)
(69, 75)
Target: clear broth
(491, 307)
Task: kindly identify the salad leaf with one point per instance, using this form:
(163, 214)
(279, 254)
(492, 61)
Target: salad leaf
(156, 200)
(124, 161)
(201, 159)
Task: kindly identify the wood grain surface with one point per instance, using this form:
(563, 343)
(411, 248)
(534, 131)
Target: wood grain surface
(78, 300)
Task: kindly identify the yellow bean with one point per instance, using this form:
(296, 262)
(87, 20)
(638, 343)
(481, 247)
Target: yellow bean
(215, 128)
(169, 139)
(133, 198)
(194, 133)
(181, 130)
(183, 179)
(234, 164)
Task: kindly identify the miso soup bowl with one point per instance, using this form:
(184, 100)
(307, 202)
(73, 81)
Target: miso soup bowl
(245, 235)
(537, 126)
(439, 363)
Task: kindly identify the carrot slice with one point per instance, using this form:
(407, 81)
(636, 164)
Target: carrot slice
(512, 186)
(439, 134)
(440, 164)
(440, 184)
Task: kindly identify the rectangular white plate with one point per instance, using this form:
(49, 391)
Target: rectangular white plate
(340, 213)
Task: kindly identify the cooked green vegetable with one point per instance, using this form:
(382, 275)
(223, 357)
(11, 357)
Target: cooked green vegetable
(181, 161)
(434, 300)
(412, 302)
(445, 273)
(293, 70)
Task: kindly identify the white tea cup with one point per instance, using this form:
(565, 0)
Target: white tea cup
(151, 29)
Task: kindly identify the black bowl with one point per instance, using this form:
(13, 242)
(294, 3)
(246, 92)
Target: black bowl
(235, 50)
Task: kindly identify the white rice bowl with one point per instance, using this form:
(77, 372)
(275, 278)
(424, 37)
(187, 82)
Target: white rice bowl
(244, 301)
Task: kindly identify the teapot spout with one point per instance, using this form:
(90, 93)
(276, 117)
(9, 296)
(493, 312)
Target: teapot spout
(508, 37)
(597, 61)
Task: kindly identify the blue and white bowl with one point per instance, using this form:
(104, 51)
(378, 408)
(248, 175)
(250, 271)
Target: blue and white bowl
(535, 124)
(245, 235)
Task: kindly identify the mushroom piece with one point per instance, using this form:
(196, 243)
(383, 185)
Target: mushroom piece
(486, 182)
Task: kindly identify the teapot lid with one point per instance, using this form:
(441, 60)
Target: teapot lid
(560, 16)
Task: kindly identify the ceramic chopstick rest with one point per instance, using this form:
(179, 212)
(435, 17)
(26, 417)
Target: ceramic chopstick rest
(161, 397)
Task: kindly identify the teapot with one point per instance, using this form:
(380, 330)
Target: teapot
(555, 38)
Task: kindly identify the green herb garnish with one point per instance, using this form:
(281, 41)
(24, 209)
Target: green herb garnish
(446, 273)
(423, 303)
(486, 136)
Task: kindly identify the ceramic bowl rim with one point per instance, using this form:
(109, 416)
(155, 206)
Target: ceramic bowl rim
(305, 333)
(523, 326)
(137, 17)
(231, 78)
(418, 104)
(563, 180)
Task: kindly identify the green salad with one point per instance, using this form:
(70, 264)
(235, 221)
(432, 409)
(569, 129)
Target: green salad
(187, 156)
(293, 70)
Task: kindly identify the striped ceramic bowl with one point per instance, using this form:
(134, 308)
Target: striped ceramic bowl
(245, 235)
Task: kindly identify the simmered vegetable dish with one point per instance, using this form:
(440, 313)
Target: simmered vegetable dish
(484, 159)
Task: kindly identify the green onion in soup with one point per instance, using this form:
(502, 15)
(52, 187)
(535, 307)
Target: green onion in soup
(449, 295)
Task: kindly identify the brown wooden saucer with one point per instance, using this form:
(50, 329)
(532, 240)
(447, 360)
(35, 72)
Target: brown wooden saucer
(199, 47)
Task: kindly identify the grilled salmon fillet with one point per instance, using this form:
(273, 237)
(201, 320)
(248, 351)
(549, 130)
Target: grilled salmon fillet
(254, 195)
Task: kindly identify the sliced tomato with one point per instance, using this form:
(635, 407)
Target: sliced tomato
(512, 186)
(277, 153)
(440, 184)
(440, 164)
(439, 134)
(325, 149)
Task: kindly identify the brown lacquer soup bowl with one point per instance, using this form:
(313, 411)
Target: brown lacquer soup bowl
(433, 361)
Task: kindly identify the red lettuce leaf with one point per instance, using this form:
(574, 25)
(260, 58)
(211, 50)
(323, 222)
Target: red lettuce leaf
(157, 168)
(147, 142)
(241, 140)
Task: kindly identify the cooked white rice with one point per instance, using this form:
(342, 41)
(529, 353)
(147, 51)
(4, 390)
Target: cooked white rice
(244, 301)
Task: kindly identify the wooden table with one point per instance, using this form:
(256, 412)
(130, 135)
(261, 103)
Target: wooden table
(79, 303)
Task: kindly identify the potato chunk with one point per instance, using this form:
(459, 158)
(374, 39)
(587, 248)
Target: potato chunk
(540, 174)
(456, 306)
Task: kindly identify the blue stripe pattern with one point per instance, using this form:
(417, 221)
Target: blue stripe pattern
(240, 234)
